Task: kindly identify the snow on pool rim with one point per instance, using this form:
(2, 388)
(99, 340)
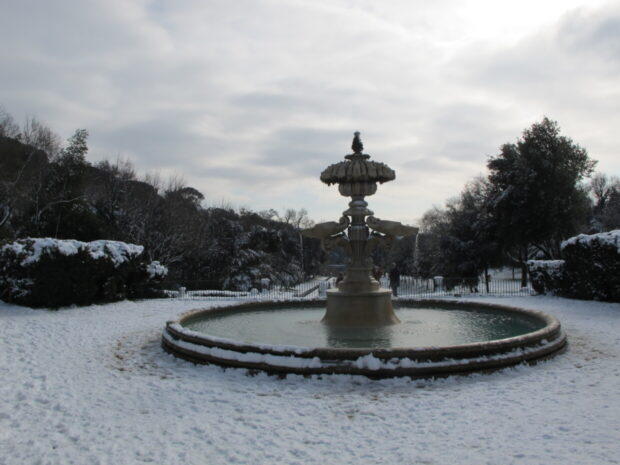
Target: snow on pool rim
(418, 362)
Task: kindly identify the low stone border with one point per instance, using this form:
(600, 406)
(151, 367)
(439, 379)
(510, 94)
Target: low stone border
(374, 363)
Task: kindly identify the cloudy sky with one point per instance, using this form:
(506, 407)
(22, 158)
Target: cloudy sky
(249, 101)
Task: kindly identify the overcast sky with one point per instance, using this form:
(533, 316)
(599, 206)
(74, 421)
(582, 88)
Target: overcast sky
(250, 100)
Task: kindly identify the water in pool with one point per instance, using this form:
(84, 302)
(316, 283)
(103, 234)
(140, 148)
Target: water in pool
(420, 327)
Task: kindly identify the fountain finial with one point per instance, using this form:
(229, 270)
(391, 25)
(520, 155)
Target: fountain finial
(357, 144)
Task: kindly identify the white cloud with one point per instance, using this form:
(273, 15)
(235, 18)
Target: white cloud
(250, 100)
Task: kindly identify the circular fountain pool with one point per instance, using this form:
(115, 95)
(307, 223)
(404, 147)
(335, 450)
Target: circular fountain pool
(434, 338)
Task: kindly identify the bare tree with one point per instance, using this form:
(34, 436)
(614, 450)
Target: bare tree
(41, 136)
(605, 191)
(8, 126)
(21, 171)
(122, 168)
(297, 218)
(602, 187)
(271, 214)
(175, 183)
(154, 180)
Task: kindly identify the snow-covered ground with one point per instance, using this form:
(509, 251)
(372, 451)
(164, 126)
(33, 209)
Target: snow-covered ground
(92, 386)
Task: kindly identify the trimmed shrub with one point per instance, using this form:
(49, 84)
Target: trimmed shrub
(590, 269)
(44, 272)
(593, 266)
(546, 275)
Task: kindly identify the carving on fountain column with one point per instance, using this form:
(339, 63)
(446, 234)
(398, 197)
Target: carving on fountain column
(377, 240)
(391, 228)
(327, 229)
(359, 299)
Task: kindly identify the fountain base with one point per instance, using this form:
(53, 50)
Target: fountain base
(417, 348)
(359, 309)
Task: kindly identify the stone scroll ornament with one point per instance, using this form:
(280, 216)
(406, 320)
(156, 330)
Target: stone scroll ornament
(331, 234)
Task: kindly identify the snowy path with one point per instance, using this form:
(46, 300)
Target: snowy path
(91, 386)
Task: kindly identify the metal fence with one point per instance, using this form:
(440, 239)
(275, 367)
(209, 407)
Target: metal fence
(317, 287)
(442, 287)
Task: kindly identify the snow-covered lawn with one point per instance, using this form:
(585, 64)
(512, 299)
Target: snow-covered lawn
(92, 386)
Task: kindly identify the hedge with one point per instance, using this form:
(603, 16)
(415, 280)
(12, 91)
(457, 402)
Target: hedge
(590, 269)
(44, 272)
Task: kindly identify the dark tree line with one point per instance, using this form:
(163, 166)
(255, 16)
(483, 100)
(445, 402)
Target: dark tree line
(534, 196)
(48, 189)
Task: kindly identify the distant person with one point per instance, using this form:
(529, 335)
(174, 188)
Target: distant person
(394, 279)
(377, 272)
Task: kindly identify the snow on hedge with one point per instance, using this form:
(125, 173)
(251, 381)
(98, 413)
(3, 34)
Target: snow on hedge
(590, 269)
(609, 238)
(553, 267)
(31, 250)
(46, 272)
(156, 270)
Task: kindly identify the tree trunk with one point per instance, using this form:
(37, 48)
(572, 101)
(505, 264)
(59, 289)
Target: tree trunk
(523, 260)
(486, 277)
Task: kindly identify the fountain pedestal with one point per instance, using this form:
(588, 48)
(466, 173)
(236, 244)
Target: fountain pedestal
(359, 301)
(359, 309)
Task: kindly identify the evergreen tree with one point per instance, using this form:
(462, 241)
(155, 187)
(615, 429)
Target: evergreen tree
(459, 241)
(469, 246)
(63, 212)
(536, 200)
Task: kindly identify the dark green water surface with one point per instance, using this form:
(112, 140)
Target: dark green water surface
(420, 327)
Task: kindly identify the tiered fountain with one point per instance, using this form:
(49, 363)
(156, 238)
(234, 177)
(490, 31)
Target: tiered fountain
(358, 301)
(359, 333)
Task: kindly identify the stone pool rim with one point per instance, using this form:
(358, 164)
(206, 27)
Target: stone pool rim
(415, 362)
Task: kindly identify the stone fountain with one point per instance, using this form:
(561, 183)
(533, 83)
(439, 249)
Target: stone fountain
(358, 333)
(359, 300)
